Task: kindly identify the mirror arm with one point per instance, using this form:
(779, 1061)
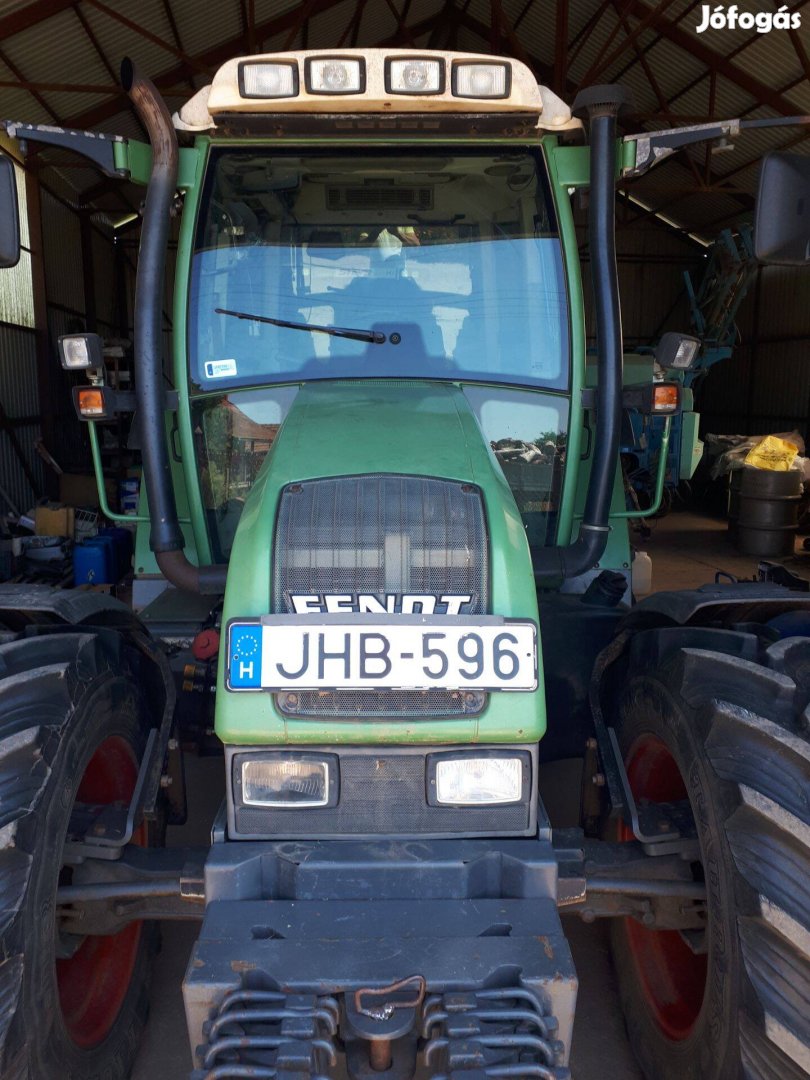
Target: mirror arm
(654, 146)
(98, 147)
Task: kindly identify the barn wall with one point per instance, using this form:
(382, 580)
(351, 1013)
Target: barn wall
(19, 396)
(29, 362)
(652, 259)
(80, 297)
(765, 386)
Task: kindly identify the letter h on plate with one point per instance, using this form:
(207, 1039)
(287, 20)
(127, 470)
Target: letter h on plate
(245, 658)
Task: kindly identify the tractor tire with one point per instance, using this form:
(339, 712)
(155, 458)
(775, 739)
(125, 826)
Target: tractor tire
(731, 734)
(73, 727)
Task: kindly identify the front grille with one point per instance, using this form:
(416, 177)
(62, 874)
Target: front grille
(366, 704)
(381, 536)
(382, 792)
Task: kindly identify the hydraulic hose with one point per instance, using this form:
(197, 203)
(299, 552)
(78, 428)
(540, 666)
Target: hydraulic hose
(166, 537)
(602, 104)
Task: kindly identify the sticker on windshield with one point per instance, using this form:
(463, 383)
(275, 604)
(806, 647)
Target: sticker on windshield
(219, 369)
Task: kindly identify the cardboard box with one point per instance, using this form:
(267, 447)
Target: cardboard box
(76, 489)
(54, 519)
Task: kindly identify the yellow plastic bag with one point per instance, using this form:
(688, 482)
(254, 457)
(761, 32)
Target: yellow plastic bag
(772, 453)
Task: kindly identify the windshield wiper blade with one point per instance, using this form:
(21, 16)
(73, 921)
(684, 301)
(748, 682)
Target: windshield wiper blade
(373, 337)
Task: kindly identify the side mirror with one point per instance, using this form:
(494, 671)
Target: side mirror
(782, 226)
(9, 215)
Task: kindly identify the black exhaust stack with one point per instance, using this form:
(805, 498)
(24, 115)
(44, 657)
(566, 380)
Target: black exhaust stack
(602, 105)
(166, 537)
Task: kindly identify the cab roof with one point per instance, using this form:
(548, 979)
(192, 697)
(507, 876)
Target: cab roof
(230, 96)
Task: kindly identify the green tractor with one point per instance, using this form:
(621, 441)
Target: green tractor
(383, 551)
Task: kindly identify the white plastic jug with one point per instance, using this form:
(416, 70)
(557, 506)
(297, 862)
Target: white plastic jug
(642, 574)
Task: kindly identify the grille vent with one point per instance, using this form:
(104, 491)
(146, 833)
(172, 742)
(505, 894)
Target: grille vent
(379, 198)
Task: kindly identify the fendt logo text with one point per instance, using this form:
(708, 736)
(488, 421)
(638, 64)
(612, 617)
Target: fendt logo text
(720, 17)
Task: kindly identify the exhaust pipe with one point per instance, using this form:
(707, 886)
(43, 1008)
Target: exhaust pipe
(602, 105)
(165, 537)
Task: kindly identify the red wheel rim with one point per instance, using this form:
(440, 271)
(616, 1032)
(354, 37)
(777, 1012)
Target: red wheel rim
(672, 975)
(94, 981)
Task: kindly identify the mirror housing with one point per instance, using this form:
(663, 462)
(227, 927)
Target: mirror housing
(9, 215)
(782, 225)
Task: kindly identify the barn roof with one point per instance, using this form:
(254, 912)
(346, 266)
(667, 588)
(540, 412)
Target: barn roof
(59, 61)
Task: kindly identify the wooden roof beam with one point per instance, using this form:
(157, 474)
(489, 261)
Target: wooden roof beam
(191, 63)
(403, 30)
(31, 15)
(507, 31)
(560, 47)
(209, 60)
(352, 27)
(167, 8)
(15, 71)
(691, 44)
(91, 37)
(602, 62)
(540, 69)
(305, 12)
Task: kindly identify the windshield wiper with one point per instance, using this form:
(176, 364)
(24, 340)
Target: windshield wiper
(373, 337)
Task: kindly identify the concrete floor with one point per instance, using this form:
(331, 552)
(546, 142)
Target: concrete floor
(687, 550)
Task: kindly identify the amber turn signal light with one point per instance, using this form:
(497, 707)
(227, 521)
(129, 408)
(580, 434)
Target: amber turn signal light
(666, 397)
(91, 402)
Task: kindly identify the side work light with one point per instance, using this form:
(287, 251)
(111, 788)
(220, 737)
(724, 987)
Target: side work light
(81, 352)
(678, 351)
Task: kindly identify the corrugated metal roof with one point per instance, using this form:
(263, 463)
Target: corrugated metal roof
(74, 62)
(117, 41)
(9, 6)
(202, 25)
(57, 50)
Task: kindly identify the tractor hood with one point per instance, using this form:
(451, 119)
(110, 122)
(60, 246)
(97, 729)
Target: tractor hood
(371, 429)
(350, 428)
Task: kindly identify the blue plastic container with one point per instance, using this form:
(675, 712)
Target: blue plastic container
(121, 540)
(93, 562)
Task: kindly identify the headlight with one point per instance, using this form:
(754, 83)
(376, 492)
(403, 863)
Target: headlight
(79, 352)
(335, 75)
(467, 780)
(414, 76)
(295, 782)
(473, 80)
(268, 80)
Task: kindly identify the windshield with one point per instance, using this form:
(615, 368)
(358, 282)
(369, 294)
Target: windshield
(234, 432)
(448, 266)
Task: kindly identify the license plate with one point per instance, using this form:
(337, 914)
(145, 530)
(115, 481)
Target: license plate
(323, 652)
